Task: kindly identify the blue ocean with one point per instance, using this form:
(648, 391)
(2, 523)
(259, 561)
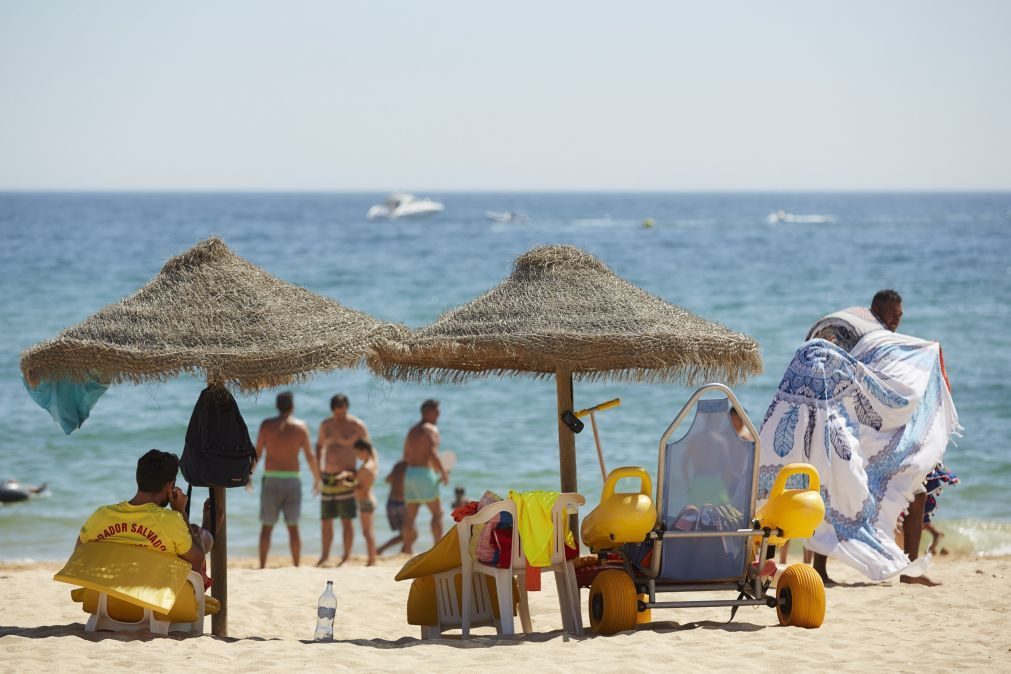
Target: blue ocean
(764, 264)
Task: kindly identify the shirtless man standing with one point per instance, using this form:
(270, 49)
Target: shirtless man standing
(281, 437)
(335, 452)
(424, 472)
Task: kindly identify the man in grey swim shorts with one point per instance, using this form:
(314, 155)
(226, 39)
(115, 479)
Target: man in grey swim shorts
(281, 438)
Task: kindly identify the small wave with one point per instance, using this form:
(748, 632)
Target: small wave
(980, 537)
(803, 219)
(990, 539)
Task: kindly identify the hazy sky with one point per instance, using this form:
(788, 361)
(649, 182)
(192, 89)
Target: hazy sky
(472, 95)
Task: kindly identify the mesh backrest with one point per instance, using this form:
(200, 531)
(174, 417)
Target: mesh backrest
(708, 477)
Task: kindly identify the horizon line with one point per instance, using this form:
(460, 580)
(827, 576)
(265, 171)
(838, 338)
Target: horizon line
(173, 190)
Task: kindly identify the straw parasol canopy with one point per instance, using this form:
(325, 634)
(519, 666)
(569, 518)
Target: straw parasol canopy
(563, 309)
(211, 312)
(562, 312)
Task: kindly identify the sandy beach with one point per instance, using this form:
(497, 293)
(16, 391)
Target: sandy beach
(962, 625)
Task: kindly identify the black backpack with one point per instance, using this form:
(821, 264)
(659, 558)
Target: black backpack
(218, 452)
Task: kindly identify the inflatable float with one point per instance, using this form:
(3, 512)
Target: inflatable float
(11, 491)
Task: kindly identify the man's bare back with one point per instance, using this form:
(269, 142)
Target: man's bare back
(337, 439)
(282, 437)
(421, 445)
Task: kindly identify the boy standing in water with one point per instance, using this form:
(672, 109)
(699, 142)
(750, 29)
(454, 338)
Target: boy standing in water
(365, 477)
(395, 506)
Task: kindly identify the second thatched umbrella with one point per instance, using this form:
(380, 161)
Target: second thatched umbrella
(562, 312)
(212, 313)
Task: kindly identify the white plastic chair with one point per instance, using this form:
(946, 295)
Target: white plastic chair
(100, 620)
(473, 571)
(565, 574)
(565, 570)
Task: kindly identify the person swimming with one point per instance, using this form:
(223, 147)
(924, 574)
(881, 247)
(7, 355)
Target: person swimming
(12, 491)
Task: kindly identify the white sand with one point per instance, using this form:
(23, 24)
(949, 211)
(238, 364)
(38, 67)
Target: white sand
(964, 624)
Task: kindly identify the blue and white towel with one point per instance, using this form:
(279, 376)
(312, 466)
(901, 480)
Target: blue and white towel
(873, 423)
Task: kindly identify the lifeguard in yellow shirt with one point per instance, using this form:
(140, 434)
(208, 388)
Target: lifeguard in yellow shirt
(145, 521)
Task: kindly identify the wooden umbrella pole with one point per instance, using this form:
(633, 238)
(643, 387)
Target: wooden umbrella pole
(219, 568)
(566, 438)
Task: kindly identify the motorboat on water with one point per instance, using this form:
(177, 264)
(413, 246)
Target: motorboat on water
(812, 219)
(403, 205)
(506, 216)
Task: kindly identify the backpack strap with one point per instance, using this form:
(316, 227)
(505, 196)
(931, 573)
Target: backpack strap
(213, 524)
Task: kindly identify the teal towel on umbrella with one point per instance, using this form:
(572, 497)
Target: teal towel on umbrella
(68, 402)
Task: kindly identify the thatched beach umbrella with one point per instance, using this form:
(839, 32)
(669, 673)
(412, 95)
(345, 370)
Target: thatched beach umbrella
(210, 312)
(562, 312)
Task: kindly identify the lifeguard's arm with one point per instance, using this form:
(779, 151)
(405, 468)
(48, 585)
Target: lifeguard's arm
(195, 555)
(311, 460)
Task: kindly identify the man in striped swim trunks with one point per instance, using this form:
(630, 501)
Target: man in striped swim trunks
(335, 453)
(281, 438)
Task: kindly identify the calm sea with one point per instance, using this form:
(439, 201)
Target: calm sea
(66, 255)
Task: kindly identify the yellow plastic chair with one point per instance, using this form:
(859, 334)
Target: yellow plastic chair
(434, 602)
(130, 588)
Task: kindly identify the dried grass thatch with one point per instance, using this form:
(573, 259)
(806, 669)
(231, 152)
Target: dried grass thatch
(562, 309)
(211, 312)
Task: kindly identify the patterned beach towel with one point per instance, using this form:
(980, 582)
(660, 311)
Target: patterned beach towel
(873, 423)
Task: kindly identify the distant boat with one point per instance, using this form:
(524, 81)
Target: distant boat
(402, 205)
(506, 216)
(812, 219)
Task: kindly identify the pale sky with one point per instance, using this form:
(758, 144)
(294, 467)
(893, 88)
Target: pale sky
(507, 95)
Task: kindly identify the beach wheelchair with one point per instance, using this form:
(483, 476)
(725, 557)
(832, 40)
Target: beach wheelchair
(702, 531)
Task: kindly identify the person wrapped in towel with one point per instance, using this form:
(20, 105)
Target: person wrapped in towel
(873, 422)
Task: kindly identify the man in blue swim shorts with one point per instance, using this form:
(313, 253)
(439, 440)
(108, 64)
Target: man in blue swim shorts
(424, 472)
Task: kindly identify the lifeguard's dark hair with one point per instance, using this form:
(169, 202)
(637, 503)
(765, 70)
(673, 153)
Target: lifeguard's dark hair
(155, 470)
(285, 402)
(430, 404)
(339, 400)
(883, 297)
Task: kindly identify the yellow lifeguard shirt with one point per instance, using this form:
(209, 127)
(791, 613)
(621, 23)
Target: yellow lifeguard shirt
(148, 525)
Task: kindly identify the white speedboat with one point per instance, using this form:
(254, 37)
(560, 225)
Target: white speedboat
(811, 219)
(402, 205)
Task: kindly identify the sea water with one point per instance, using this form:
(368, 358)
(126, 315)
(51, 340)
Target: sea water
(722, 256)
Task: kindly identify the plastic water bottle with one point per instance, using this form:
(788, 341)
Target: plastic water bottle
(326, 610)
